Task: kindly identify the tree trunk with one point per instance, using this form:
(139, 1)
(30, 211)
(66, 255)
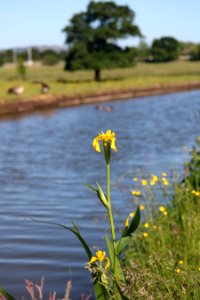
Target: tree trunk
(97, 75)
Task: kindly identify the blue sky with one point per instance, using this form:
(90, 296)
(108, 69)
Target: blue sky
(40, 22)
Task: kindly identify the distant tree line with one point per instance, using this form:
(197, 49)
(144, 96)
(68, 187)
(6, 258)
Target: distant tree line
(46, 57)
(93, 39)
(164, 49)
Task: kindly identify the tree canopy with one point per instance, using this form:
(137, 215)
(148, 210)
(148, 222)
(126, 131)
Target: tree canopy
(165, 49)
(92, 37)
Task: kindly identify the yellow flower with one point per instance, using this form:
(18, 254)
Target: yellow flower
(196, 193)
(164, 174)
(154, 178)
(177, 270)
(180, 262)
(142, 207)
(145, 235)
(135, 179)
(136, 193)
(165, 213)
(132, 214)
(146, 225)
(144, 182)
(108, 137)
(199, 268)
(152, 183)
(165, 181)
(101, 257)
(162, 208)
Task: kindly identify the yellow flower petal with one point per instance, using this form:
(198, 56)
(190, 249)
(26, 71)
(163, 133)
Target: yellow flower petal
(93, 259)
(107, 264)
(96, 145)
(100, 255)
(113, 144)
(127, 222)
(108, 137)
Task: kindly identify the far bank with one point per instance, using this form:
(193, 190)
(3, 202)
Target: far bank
(78, 88)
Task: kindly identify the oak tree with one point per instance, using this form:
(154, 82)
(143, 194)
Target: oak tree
(93, 35)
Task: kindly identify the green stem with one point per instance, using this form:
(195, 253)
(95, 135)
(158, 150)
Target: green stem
(112, 226)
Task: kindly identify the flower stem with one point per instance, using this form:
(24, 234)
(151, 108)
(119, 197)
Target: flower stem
(110, 207)
(112, 226)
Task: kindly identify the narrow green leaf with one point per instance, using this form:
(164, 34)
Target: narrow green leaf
(75, 231)
(99, 290)
(122, 244)
(6, 294)
(101, 196)
(118, 270)
(110, 249)
(91, 187)
(134, 224)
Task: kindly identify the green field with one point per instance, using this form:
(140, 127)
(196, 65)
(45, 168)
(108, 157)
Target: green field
(81, 82)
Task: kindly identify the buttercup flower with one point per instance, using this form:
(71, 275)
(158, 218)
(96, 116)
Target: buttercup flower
(152, 183)
(154, 178)
(180, 262)
(101, 257)
(162, 209)
(144, 182)
(145, 235)
(165, 181)
(177, 270)
(136, 193)
(108, 137)
(146, 225)
(142, 207)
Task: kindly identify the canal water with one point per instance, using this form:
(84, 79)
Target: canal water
(45, 159)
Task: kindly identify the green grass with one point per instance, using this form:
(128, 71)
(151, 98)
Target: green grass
(165, 263)
(81, 83)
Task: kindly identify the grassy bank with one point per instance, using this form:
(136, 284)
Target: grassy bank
(81, 83)
(163, 259)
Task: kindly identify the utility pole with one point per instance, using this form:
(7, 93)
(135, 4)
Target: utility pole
(29, 57)
(14, 56)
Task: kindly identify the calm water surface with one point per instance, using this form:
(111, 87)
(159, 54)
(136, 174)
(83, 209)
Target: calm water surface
(46, 158)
